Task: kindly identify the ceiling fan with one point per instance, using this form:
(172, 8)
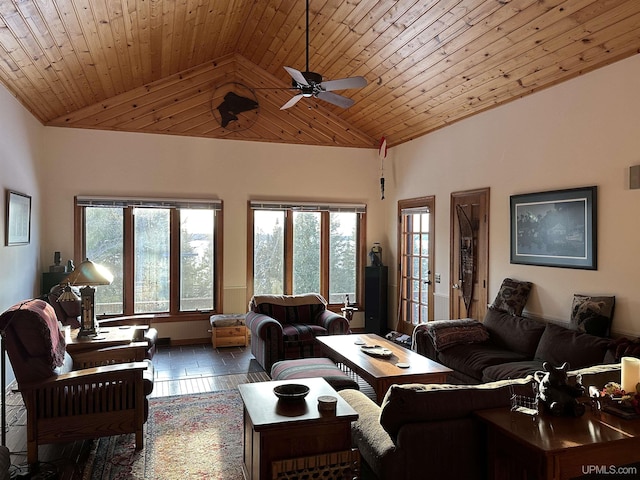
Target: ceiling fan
(310, 84)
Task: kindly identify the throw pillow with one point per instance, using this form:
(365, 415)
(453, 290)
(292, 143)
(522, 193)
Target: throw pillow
(512, 296)
(592, 315)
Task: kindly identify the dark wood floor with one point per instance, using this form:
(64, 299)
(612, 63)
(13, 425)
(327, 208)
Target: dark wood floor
(179, 370)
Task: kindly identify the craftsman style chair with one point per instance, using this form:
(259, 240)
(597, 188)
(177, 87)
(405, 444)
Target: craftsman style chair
(64, 404)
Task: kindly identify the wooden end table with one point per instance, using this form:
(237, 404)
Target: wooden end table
(381, 373)
(106, 337)
(280, 430)
(558, 448)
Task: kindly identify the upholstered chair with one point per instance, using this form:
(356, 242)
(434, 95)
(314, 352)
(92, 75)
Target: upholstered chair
(69, 312)
(284, 327)
(64, 404)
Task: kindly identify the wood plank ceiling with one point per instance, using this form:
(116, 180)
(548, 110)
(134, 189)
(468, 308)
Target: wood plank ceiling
(164, 66)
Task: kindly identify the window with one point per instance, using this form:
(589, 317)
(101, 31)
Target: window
(147, 244)
(300, 248)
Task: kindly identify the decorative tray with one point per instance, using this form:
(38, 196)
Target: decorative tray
(376, 351)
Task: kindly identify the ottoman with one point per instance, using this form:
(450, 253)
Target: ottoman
(228, 331)
(313, 368)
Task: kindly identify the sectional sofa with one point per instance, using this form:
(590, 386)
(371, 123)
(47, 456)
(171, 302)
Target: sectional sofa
(506, 346)
(431, 431)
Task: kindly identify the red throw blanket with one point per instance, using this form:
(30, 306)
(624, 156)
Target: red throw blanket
(44, 314)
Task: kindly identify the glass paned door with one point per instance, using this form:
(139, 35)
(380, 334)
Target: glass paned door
(416, 237)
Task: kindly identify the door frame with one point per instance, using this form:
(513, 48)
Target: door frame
(481, 248)
(430, 202)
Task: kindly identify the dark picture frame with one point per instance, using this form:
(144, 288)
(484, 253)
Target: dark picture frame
(18, 219)
(555, 228)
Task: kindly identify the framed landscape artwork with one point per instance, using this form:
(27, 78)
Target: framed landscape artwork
(555, 228)
(18, 220)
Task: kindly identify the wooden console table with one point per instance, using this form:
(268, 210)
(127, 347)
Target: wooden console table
(279, 430)
(558, 448)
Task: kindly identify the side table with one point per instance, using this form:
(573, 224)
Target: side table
(276, 430)
(106, 337)
(557, 448)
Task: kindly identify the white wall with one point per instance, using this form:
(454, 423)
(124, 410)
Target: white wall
(19, 152)
(89, 162)
(580, 133)
(20, 136)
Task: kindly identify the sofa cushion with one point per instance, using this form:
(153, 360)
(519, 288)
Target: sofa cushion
(412, 403)
(474, 358)
(592, 315)
(559, 344)
(505, 371)
(512, 296)
(512, 332)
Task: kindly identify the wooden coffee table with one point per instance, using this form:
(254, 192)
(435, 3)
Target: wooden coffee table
(381, 373)
(559, 448)
(280, 430)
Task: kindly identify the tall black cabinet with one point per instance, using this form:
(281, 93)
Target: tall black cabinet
(375, 300)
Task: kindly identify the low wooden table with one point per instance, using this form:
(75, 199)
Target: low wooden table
(559, 448)
(106, 337)
(280, 430)
(381, 373)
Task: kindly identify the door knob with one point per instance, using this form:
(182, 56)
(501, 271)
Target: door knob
(455, 285)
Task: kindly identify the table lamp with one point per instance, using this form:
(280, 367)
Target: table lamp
(89, 275)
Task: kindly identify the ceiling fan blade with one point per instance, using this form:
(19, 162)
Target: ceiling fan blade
(344, 83)
(336, 99)
(291, 102)
(297, 76)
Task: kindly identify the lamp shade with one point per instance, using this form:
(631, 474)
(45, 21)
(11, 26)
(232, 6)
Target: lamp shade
(89, 273)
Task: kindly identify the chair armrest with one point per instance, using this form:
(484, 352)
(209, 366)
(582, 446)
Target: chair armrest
(119, 371)
(134, 352)
(334, 324)
(261, 325)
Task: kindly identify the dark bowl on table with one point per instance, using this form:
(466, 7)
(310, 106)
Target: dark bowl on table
(291, 391)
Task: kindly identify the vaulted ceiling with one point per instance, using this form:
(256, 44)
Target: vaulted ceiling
(165, 66)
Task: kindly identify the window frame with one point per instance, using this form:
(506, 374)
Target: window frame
(324, 208)
(128, 204)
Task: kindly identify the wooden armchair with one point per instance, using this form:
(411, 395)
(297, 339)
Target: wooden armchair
(63, 404)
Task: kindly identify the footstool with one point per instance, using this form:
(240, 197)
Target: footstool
(313, 368)
(229, 330)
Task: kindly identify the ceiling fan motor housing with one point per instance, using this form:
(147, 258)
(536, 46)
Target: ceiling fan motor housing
(313, 79)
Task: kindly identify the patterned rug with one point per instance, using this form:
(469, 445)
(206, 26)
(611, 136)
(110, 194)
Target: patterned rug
(186, 437)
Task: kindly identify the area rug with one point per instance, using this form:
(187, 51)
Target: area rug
(186, 437)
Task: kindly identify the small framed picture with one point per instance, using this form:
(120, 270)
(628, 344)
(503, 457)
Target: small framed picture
(18, 219)
(556, 228)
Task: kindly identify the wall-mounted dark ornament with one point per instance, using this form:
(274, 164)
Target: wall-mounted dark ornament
(234, 106)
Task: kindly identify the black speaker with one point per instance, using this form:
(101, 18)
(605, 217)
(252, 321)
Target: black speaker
(375, 300)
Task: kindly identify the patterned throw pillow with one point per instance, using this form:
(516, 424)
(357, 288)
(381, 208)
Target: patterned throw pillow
(512, 296)
(592, 314)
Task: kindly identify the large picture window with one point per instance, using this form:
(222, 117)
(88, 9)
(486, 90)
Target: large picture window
(163, 253)
(300, 248)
